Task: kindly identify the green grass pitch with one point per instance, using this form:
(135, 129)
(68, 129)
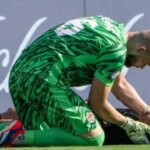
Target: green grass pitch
(110, 147)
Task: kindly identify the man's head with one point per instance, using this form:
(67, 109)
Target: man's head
(138, 49)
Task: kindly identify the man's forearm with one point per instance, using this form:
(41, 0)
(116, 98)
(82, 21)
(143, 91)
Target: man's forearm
(126, 93)
(100, 105)
(108, 113)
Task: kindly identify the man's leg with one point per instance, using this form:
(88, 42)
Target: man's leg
(40, 105)
(67, 111)
(70, 120)
(12, 134)
(55, 137)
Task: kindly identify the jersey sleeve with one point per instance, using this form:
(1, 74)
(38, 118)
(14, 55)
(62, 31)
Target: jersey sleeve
(110, 64)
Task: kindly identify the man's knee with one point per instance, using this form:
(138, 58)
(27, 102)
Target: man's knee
(96, 140)
(95, 137)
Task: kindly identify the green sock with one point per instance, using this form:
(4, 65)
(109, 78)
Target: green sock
(57, 137)
(53, 137)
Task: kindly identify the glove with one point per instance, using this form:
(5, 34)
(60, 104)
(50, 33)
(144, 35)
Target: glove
(136, 131)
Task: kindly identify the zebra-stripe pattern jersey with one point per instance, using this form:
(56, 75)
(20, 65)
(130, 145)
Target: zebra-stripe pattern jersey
(72, 53)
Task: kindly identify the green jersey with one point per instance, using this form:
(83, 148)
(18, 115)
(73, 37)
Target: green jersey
(74, 52)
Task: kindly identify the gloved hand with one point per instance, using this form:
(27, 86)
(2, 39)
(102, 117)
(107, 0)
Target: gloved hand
(136, 131)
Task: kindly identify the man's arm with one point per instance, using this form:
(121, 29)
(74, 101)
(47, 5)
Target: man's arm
(126, 93)
(98, 102)
(100, 105)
